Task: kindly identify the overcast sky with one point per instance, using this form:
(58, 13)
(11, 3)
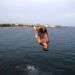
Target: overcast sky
(38, 11)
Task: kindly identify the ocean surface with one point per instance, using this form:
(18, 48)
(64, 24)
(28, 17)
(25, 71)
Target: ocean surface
(21, 55)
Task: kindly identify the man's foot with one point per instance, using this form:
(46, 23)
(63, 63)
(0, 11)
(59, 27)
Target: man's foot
(45, 49)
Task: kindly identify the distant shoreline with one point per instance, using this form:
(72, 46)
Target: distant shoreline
(26, 27)
(15, 27)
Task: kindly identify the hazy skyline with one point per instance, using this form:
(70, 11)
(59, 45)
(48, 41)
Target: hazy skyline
(38, 11)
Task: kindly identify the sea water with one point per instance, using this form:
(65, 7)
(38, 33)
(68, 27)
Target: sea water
(21, 55)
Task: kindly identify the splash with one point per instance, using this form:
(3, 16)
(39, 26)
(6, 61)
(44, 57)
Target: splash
(32, 70)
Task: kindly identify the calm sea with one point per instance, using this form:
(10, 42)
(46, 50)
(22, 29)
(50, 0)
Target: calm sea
(21, 55)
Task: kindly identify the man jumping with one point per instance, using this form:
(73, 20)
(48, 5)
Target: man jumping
(42, 36)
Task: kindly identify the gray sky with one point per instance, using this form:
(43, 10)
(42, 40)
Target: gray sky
(38, 11)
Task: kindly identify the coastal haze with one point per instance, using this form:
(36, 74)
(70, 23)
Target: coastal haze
(53, 12)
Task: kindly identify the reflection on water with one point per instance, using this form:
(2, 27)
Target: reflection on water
(21, 55)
